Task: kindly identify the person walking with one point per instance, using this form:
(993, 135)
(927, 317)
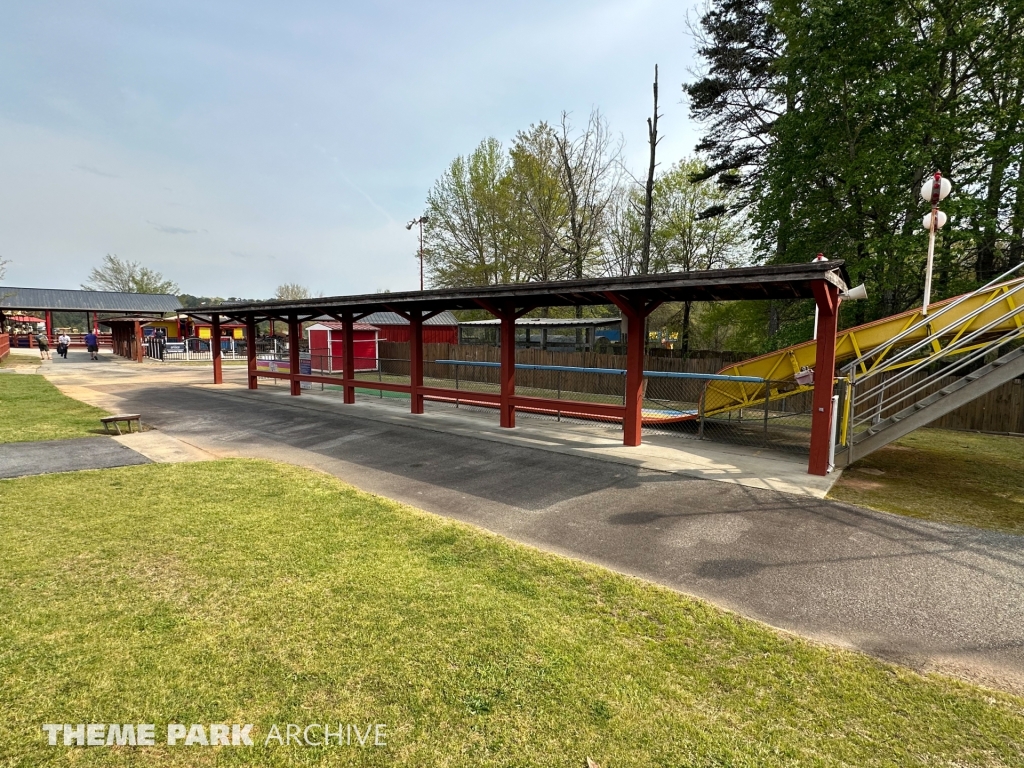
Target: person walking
(92, 344)
(63, 341)
(44, 346)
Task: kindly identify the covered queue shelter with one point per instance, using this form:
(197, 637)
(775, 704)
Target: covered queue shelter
(89, 304)
(636, 297)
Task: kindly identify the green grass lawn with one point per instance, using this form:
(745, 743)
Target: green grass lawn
(31, 408)
(943, 475)
(249, 592)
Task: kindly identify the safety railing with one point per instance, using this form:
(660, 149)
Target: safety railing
(915, 370)
(192, 350)
(674, 403)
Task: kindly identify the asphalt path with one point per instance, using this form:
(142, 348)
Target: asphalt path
(932, 596)
(21, 459)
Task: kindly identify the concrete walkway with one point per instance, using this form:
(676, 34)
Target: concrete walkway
(931, 596)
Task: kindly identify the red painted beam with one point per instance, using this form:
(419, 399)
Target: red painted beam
(294, 330)
(218, 371)
(250, 350)
(827, 297)
(570, 407)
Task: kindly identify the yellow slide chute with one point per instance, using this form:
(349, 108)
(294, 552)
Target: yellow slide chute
(875, 341)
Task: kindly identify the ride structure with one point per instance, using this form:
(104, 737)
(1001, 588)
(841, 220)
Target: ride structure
(890, 369)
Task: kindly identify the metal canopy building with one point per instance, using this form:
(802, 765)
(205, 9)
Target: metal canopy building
(636, 297)
(49, 300)
(58, 300)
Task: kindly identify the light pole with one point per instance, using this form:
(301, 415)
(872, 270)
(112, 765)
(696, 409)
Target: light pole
(421, 221)
(933, 190)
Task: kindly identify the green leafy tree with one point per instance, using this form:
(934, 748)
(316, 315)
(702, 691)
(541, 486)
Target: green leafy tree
(121, 275)
(470, 238)
(294, 291)
(833, 112)
(693, 230)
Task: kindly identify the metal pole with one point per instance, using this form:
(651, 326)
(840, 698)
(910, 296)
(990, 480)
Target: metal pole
(931, 257)
(767, 397)
(700, 412)
(559, 396)
(421, 253)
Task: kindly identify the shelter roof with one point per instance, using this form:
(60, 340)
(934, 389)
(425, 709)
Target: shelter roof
(781, 281)
(61, 300)
(553, 322)
(204, 319)
(124, 319)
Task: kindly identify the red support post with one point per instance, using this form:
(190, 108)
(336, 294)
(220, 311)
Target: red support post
(416, 359)
(635, 311)
(508, 367)
(349, 356)
(250, 350)
(49, 326)
(826, 296)
(95, 322)
(632, 423)
(136, 341)
(218, 371)
(294, 328)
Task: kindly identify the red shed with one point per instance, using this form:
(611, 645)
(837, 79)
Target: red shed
(440, 329)
(327, 350)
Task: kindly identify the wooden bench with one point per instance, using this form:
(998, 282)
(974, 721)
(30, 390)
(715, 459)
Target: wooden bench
(126, 417)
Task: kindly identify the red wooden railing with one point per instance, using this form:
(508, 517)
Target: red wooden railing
(23, 340)
(5, 345)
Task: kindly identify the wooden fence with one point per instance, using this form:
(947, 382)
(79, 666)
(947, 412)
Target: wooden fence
(394, 359)
(5, 345)
(1001, 410)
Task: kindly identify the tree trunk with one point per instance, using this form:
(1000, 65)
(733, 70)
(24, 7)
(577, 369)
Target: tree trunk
(652, 139)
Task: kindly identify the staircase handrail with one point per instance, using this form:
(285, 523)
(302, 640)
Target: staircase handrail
(906, 394)
(850, 367)
(947, 350)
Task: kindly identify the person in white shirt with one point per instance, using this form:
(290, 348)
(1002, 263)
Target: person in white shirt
(62, 345)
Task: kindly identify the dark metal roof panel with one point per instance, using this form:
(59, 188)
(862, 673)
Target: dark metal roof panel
(782, 281)
(60, 300)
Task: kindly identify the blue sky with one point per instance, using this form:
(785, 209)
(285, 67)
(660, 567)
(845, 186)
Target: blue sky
(236, 146)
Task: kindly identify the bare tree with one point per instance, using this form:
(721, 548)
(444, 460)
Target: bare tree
(624, 234)
(652, 140)
(587, 164)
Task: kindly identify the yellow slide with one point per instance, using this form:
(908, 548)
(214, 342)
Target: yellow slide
(876, 339)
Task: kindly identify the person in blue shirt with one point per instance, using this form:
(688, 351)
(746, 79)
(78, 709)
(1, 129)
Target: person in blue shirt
(92, 344)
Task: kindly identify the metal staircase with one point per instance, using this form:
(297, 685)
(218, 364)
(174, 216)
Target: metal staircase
(900, 388)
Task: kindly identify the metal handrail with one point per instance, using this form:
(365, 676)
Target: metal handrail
(949, 349)
(929, 318)
(908, 393)
(610, 371)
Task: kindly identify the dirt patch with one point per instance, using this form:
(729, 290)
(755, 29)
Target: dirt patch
(860, 484)
(163, 578)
